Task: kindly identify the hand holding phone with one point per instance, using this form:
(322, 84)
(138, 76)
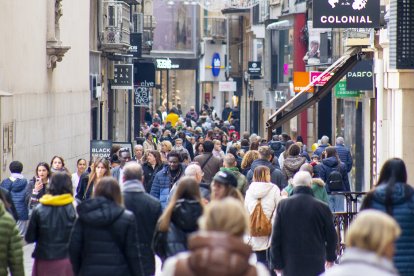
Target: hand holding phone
(38, 185)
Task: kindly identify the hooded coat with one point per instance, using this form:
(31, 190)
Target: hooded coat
(104, 240)
(328, 165)
(403, 212)
(213, 254)
(277, 147)
(183, 222)
(270, 197)
(276, 176)
(291, 165)
(11, 252)
(50, 227)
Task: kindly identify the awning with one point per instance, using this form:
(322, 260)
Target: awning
(339, 68)
(280, 25)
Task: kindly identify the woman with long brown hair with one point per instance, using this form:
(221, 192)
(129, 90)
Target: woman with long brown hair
(152, 165)
(179, 219)
(86, 184)
(104, 239)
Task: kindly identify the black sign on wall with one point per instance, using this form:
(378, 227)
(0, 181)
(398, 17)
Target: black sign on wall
(136, 45)
(346, 13)
(255, 69)
(100, 148)
(360, 77)
(141, 96)
(145, 74)
(123, 76)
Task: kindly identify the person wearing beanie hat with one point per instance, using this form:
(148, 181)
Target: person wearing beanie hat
(225, 185)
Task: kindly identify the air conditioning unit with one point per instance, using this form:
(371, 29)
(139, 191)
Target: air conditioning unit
(138, 22)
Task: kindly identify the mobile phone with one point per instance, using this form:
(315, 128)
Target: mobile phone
(38, 179)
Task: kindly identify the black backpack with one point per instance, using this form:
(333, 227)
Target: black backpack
(334, 181)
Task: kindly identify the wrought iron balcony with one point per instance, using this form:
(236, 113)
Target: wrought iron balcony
(215, 28)
(115, 36)
(148, 33)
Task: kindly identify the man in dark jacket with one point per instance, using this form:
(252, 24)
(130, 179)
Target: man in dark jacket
(146, 209)
(323, 170)
(265, 155)
(208, 162)
(276, 146)
(344, 153)
(226, 112)
(124, 157)
(186, 144)
(324, 144)
(304, 235)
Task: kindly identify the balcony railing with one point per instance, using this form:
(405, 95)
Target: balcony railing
(148, 34)
(115, 36)
(215, 28)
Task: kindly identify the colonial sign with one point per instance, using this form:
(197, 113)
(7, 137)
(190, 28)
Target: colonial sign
(225, 86)
(145, 74)
(100, 148)
(141, 96)
(255, 69)
(216, 64)
(361, 76)
(123, 76)
(300, 81)
(346, 13)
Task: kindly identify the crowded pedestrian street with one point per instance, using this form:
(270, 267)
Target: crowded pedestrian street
(207, 138)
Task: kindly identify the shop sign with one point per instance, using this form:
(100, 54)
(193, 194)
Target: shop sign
(136, 44)
(216, 64)
(141, 96)
(342, 92)
(300, 81)
(346, 13)
(254, 69)
(361, 76)
(123, 76)
(230, 86)
(145, 74)
(101, 149)
(166, 64)
(323, 80)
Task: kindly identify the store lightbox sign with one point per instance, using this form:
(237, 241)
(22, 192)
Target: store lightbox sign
(361, 76)
(123, 76)
(300, 81)
(346, 13)
(324, 79)
(225, 86)
(342, 92)
(166, 64)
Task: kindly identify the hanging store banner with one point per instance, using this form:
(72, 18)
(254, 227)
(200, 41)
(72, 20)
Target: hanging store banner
(300, 81)
(141, 96)
(145, 74)
(361, 76)
(342, 92)
(100, 149)
(346, 13)
(225, 86)
(324, 79)
(136, 45)
(255, 69)
(123, 76)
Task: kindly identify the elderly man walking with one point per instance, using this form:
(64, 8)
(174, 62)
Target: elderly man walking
(344, 153)
(303, 237)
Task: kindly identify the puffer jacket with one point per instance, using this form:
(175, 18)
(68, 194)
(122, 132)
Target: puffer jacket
(270, 197)
(291, 165)
(241, 179)
(104, 240)
(162, 185)
(11, 252)
(328, 165)
(50, 227)
(320, 149)
(183, 222)
(213, 254)
(17, 188)
(403, 213)
(276, 175)
(345, 156)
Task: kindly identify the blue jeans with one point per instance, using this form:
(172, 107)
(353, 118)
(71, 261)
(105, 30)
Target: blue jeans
(336, 203)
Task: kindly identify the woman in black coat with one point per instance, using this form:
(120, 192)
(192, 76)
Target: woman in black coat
(152, 165)
(179, 219)
(111, 243)
(50, 227)
(37, 186)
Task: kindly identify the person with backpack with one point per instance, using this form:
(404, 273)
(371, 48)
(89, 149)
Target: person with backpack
(334, 173)
(16, 184)
(261, 201)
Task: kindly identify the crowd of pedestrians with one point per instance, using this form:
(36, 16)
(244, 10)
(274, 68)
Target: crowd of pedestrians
(207, 200)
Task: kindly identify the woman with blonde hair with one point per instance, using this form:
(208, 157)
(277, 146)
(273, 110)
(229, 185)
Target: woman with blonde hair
(262, 194)
(166, 147)
(247, 161)
(179, 219)
(218, 249)
(100, 169)
(370, 246)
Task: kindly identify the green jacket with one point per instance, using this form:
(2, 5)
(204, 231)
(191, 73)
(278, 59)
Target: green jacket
(241, 179)
(318, 188)
(11, 251)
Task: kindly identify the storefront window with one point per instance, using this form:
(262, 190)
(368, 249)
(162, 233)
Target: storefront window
(286, 55)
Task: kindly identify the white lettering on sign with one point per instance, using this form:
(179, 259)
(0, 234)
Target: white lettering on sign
(345, 19)
(164, 63)
(360, 74)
